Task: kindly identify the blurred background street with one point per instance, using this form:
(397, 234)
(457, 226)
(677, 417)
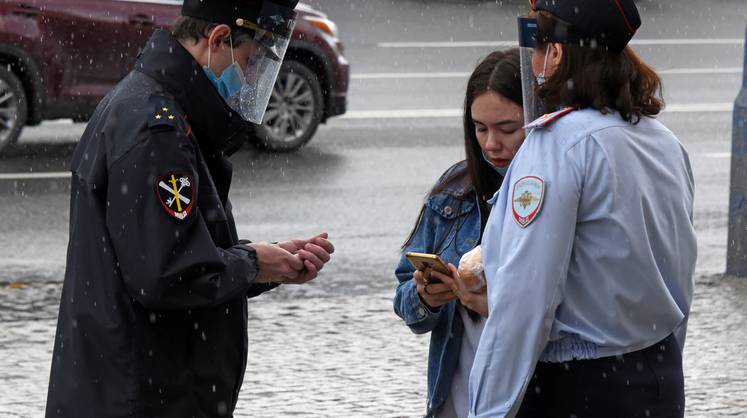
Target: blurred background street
(335, 348)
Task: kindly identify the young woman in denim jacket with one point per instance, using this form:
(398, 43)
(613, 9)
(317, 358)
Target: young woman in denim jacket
(451, 223)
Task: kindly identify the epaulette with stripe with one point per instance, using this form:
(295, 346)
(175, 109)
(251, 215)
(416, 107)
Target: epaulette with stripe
(547, 119)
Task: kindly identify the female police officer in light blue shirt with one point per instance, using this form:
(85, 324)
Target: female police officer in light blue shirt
(590, 248)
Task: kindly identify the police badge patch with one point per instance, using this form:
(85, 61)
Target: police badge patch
(529, 193)
(176, 194)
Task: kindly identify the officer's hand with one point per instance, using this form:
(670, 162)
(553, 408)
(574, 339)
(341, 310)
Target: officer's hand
(434, 288)
(476, 301)
(314, 252)
(321, 240)
(276, 264)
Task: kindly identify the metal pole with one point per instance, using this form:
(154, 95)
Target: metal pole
(736, 256)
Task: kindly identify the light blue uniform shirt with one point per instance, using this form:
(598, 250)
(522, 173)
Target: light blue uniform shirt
(606, 266)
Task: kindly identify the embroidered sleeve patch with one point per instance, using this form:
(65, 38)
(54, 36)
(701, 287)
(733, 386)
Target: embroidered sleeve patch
(176, 194)
(527, 198)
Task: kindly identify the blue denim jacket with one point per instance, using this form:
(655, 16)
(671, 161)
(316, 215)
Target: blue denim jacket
(449, 227)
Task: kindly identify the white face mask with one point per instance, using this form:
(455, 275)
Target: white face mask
(541, 76)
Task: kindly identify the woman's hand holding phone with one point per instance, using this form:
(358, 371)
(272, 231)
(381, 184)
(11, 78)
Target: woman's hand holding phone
(442, 289)
(433, 292)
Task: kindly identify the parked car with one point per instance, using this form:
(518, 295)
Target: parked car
(58, 58)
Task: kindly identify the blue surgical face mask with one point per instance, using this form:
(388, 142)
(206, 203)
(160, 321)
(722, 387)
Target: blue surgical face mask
(500, 170)
(230, 81)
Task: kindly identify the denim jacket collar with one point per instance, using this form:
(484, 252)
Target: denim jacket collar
(451, 204)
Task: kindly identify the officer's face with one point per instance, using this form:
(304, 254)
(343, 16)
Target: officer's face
(241, 54)
(499, 127)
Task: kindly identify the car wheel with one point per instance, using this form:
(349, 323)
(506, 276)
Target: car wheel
(13, 109)
(294, 111)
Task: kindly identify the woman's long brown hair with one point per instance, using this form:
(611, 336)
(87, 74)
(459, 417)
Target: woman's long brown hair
(593, 77)
(499, 72)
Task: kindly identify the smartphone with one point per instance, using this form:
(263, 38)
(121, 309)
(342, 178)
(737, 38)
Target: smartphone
(423, 261)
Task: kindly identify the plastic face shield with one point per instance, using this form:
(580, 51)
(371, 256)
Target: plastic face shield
(527, 43)
(272, 36)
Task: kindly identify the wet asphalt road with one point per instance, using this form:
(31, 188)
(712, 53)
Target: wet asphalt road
(334, 348)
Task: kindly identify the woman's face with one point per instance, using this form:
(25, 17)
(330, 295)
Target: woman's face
(499, 126)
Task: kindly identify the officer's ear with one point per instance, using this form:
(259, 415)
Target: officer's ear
(218, 37)
(555, 57)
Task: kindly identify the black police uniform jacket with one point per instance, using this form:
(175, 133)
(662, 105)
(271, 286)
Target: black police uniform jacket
(153, 315)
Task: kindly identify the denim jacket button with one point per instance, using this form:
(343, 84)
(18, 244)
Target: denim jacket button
(448, 210)
(421, 312)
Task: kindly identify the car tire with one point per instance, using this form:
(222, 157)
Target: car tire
(13, 109)
(294, 111)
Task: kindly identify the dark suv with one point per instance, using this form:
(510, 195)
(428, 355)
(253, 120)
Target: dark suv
(58, 58)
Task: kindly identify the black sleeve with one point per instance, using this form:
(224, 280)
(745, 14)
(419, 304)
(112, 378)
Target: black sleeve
(166, 255)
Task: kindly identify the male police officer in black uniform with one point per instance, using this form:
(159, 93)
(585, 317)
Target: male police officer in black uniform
(153, 316)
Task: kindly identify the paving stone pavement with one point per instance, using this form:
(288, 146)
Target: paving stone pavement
(315, 353)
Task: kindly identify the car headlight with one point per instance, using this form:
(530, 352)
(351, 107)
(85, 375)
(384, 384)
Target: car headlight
(325, 25)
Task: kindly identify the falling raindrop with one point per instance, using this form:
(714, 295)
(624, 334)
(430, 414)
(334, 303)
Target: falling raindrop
(222, 408)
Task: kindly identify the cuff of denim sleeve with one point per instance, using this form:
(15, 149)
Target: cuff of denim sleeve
(428, 307)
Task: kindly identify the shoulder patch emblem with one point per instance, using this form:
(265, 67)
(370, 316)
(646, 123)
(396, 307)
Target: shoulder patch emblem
(527, 199)
(176, 194)
(547, 119)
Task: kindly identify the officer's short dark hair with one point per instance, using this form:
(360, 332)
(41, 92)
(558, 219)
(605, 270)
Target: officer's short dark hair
(593, 77)
(192, 28)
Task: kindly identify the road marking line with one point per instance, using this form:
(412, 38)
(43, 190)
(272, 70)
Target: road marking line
(717, 155)
(447, 113)
(699, 107)
(689, 41)
(423, 113)
(35, 176)
(62, 175)
(447, 44)
(402, 114)
(493, 44)
(671, 71)
(695, 71)
(450, 112)
(384, 76)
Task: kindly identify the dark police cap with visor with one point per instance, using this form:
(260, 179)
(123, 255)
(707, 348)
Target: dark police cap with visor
(608, 24)
(271, 25)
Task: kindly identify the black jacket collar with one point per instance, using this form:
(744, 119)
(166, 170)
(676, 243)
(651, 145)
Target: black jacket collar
(215, 125)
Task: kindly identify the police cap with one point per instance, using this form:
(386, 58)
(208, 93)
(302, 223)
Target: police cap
(606, 23)
(268, 15)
